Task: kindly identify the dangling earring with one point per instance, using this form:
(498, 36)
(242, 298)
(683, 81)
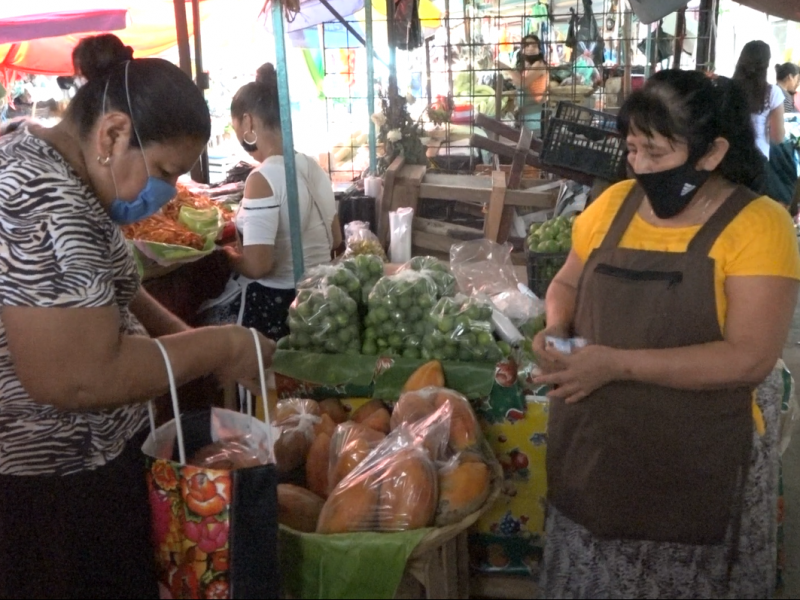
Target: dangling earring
(250, 146)
(104, 161)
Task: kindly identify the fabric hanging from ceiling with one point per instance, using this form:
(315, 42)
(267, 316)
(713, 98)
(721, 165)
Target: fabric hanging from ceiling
(150, 31)
(785, 9)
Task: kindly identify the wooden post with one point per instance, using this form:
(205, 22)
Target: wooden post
(182, 30)
(520, 154)
(494, 214)
(706, 48)
(627, 27)
(385, 201)
(680, 35)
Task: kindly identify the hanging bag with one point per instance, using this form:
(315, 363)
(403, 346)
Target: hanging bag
(215, 526)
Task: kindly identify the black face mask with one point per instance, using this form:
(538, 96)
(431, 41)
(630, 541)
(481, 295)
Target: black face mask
(671, 191)
(532, 58)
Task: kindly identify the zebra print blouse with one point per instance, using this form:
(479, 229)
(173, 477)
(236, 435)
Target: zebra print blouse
(58, 248)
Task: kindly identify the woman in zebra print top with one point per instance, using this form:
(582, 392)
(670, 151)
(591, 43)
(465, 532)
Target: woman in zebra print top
(77, 360)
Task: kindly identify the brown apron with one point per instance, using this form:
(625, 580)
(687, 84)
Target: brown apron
(640, 461)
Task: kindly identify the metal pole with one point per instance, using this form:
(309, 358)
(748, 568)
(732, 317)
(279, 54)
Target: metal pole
(373, 150)
(288, 141)
(201, 79)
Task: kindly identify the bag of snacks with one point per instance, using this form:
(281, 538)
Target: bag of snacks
(360, 240)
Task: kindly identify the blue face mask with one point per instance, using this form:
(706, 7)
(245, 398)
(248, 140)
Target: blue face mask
(156, 192)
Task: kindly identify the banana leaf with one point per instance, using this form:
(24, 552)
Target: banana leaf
(347, 565)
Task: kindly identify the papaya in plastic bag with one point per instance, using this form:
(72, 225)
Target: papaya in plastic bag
(350, 444)
(296, 419)
(464, 486)
(298, 508)
(317, 478)
(398, 480)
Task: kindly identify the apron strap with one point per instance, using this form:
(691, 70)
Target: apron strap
(623, 218)
(703, 241)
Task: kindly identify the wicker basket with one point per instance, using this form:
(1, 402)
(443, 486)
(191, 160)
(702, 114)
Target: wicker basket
(442, 535)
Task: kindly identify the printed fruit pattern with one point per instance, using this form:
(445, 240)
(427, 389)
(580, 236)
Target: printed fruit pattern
(190, 528)
(509, 536)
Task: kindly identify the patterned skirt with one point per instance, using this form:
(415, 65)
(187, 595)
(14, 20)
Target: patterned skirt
(577, 564)
(265, 308)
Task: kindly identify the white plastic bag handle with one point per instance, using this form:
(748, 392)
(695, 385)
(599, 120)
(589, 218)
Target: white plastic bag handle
(173, 390)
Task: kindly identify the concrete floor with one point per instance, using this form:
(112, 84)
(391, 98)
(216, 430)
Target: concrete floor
(791, 475)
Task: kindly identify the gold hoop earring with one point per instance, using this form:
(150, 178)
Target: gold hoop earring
(255, 139)
(104, 161)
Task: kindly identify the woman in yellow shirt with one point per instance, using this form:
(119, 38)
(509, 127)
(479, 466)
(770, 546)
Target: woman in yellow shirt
(684, 283)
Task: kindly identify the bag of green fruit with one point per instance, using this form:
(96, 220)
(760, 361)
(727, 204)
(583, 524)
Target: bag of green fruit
(396, 319)
(368, 268)
(324, 320)
(360, 240)
(327, 275)
(437, 270)
(551, 236)
(460, 329)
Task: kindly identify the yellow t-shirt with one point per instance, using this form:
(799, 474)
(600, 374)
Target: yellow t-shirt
(761, 240)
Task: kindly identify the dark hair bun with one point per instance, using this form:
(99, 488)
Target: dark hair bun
(267, 75)
(95, 57)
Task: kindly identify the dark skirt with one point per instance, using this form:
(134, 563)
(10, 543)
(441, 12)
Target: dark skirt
(265, 308)
(78, 536)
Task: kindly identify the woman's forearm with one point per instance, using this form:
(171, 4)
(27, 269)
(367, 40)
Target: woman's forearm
(705, 366)
(560, 304)
(137, 372)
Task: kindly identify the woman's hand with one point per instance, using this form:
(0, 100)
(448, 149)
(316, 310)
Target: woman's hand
(578, 374)
(243, 367)
(544, 361)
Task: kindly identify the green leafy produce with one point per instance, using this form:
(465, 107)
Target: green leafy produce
(551, 237)
(397, 318)
(324, 320)
(368, 268)
(461, 329)
(332, 275)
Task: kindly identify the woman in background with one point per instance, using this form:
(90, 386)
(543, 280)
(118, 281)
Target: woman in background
(263, 257)
(788, 76)
(764, 100)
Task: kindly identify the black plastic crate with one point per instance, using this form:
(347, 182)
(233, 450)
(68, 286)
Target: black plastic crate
(357, 207)
(542, 268)
(584, 140)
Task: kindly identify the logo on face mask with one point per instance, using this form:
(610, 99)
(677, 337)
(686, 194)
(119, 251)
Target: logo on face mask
(671, 191)
(156, 192)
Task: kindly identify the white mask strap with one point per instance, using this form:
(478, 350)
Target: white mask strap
(133, 123)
